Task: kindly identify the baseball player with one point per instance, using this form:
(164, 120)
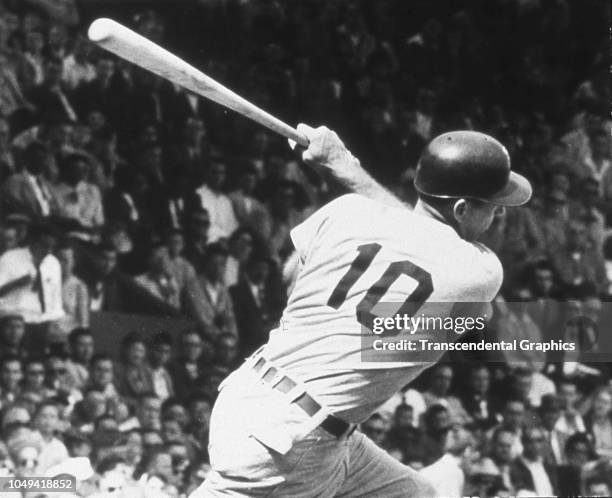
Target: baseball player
(283, 424)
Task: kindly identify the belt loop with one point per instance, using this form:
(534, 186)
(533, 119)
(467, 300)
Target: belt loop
(252, 359)
(278, 376)
(296, 392)
(263, 370)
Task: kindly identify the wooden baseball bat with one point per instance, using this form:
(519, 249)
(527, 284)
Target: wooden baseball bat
(135, 48)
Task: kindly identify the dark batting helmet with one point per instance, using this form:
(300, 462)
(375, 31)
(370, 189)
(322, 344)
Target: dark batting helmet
(468, 164)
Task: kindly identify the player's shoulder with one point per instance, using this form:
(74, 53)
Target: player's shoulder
(356, 205)
(345, 203)
(478, 268)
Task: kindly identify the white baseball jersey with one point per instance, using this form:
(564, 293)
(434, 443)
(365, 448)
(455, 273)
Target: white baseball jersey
(356, 256)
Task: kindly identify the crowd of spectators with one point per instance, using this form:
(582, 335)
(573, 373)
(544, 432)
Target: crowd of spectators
(120, 192)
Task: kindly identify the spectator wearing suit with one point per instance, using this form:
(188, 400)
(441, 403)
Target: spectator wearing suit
(158, 279)
(570, 421)
(597, 164)
(500, 454)
(250, 212)
(31, 70)
(579, 266)
(513, 420)
(129, 202)
(103, 280)
(111, 290)
(28, 192)
(549, 412)
(172, 202)
(259, 303)
(133, 377)
(158, 358)
(529, 472)
(188, 156)
(514, 322)
(214, 308)
(77, 198)
(196, 236)
(186, 369)
(477, 400)
(50, 96)
(519, 238)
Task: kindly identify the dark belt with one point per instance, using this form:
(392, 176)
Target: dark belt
(331, 424)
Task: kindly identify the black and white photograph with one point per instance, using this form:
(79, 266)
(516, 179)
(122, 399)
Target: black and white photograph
(305, 248)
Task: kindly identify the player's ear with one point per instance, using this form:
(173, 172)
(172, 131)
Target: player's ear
(460, 209)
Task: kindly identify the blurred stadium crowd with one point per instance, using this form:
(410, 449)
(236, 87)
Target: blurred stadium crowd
(123, 193)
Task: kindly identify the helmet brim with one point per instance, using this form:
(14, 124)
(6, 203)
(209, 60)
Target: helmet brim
(516, 192)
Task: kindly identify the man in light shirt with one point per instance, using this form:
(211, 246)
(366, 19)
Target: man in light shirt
(158, 355)
(79, 199)
(31, 284)
(219, 206)
(76, 67)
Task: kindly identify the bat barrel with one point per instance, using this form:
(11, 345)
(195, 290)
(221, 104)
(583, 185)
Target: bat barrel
(101, 29)
(133, 47)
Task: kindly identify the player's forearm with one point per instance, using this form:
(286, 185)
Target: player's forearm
(325, 149)
(352, 176)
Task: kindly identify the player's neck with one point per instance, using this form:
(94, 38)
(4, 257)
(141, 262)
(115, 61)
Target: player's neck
(425, 209)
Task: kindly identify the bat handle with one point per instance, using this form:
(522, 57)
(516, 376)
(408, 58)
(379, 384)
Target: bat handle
(297, 137)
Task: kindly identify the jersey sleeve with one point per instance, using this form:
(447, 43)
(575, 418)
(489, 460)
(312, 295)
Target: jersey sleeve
(305, 235)
(490, 276)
